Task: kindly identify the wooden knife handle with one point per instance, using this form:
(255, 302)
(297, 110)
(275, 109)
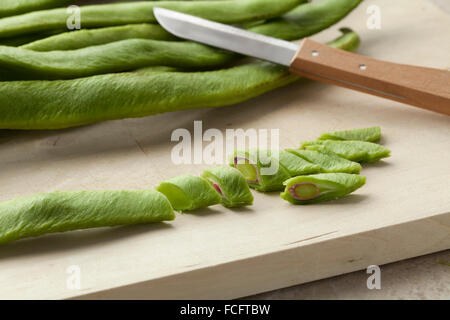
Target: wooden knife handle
(421, 87)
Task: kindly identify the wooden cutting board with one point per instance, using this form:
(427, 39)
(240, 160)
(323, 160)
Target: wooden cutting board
(402, 212)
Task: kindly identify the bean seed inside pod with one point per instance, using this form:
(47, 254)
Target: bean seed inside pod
(305, 191)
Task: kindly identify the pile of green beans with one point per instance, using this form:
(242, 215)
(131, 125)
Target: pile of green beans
(93, 37)
(128, 66)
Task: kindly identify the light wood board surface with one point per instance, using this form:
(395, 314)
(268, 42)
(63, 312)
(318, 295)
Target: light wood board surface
(403, 211)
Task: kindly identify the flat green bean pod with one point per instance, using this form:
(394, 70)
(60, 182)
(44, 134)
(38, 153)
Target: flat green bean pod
(231, 185)
(329, 162)
(68, 103)
(65, 211)
(94, 37)
(372, 134)
(307, 19)
(303, 21)
(187, 193)
(321, 187)
(105, 15)
(15, 7)
(20, 64)
(358, 151)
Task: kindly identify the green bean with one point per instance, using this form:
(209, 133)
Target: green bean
(231, 185)
(328, 161)
(64, 211)
(307, 19)
(321, 187)
(158, 69)
(18, 63)
(187, 193)
(359, 151)
(93, 16)
(68, 103)
(27, 38)
(15, 7)
(93, 37)
(303, 21)
(372, 134)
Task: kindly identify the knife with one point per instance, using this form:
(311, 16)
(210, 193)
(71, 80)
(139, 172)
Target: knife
(426, 88)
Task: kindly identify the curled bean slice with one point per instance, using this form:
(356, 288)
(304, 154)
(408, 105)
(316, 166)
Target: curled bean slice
(303, 21)
(261, 168)
(15, 7)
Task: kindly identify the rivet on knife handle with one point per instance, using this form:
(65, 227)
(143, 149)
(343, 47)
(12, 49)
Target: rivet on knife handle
(418, 86)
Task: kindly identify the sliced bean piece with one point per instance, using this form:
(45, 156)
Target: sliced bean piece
(68, 103)
(296, 165)
(65, 211)
(21, 64)
(158, 69)
(187, 193)
(252, 165)
(321, 187)
(231, 185)
(372, 134)
(358, 151)
(93, 37)
(105, 15)
(307, 19)
(329, 162)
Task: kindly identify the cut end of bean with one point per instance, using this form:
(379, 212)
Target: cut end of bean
(216, 186)
(304, 191)
(248, 169)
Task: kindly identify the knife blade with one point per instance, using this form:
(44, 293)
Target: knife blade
(422, 87)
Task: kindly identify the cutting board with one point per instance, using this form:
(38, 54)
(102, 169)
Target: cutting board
(402, 212)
